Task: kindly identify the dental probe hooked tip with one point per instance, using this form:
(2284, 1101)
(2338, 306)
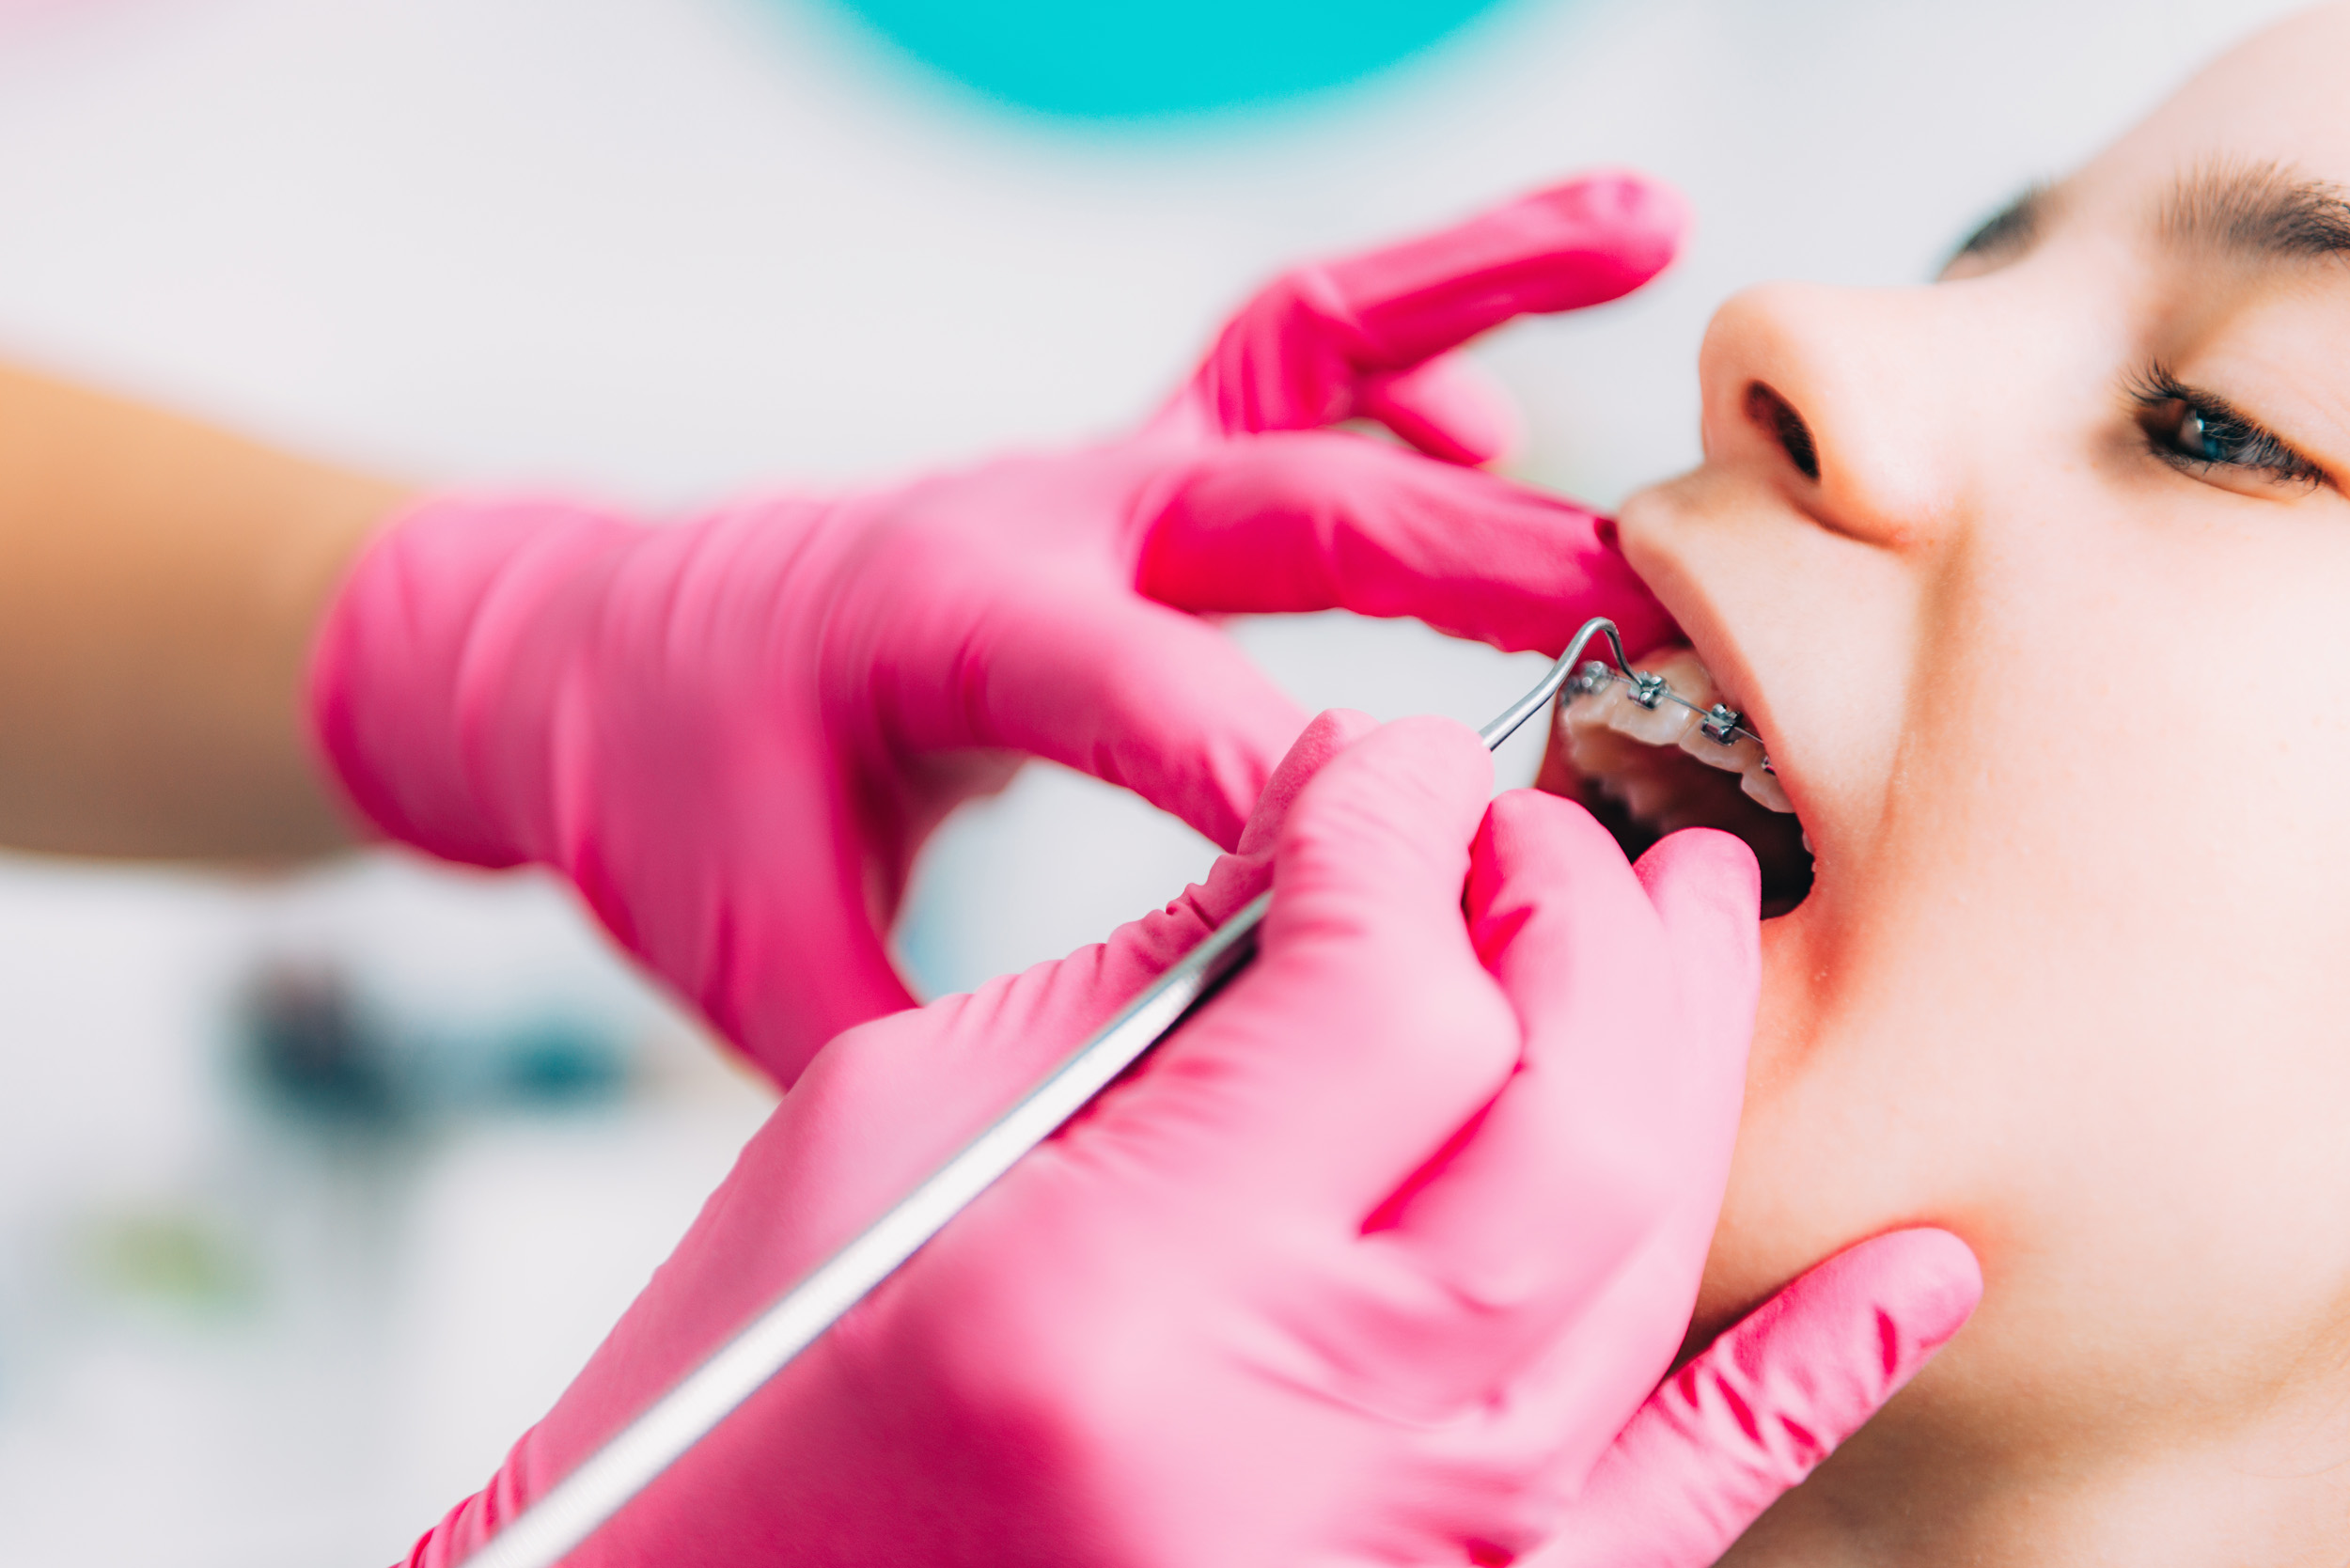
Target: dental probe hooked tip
(568, 1512)
(1561, 669)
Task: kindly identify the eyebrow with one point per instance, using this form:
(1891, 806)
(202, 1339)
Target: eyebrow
(2258, 211)
(2012, 229)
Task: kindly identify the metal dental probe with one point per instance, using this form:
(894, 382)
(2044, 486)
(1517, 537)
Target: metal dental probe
(543, 1534)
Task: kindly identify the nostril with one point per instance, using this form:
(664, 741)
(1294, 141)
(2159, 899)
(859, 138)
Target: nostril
(1775, 415)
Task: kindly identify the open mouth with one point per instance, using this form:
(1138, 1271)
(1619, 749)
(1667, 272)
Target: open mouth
(1646, 765)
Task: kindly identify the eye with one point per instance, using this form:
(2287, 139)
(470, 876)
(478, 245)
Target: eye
(2210, 438)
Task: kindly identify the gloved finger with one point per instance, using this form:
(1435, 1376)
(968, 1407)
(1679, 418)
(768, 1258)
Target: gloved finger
(1111, 684)
(1365, 1034)
(1329, 521)
(1725, 1436)
(1140, 951)
(1707, 892)
(1634, 995)
(1326, 735)
(938, 1088)
(1294, 357)
(810, 924)
(1447, 408)
(1575, 245)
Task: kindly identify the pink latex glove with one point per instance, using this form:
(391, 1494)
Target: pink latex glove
(1370, 1263)
(733, 733)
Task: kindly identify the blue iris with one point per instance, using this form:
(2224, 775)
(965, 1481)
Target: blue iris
(1141, 60)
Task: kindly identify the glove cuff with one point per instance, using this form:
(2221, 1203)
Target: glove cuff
(437, 674)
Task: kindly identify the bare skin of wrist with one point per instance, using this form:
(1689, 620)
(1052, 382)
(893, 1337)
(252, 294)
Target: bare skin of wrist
(159, 582)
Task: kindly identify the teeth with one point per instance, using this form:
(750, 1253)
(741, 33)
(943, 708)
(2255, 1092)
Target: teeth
(1658, 720)
(1611, 727)
(1591, 714)
(1761, 787)
(1732, 753)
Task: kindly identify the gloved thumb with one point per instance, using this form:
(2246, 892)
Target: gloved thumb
(1728, 1433)
(1329, 733)
(1447, 408)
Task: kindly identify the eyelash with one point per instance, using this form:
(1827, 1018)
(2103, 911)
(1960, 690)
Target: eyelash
(2237, 440)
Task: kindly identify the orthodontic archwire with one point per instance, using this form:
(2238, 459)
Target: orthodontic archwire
(1721, 723)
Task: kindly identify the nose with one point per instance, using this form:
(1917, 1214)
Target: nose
(1820, 389)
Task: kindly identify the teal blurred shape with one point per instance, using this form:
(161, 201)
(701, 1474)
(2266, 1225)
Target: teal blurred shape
(1128, 60)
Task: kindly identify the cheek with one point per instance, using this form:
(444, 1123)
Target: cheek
(2083, 1001)
(1822, 1161)
(2111, 902)
(2120, 801)
(2173, 817)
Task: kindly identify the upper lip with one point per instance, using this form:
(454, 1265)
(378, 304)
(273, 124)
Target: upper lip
(1739, 682)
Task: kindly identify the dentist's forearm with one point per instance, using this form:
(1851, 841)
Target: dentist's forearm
(159, 584)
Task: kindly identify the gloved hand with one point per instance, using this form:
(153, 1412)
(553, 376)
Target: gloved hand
(1370, 1263)
(1719, 1442)
(733, 734)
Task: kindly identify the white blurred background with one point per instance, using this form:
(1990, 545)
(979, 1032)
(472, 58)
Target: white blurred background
(664, 250)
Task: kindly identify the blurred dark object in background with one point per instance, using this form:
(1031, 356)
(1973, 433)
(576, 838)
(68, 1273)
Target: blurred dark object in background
(318, 1048)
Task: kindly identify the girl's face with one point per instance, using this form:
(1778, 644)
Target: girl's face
(2036, 583)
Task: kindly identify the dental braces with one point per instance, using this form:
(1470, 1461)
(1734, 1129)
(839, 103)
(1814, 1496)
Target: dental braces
(1721, 723)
